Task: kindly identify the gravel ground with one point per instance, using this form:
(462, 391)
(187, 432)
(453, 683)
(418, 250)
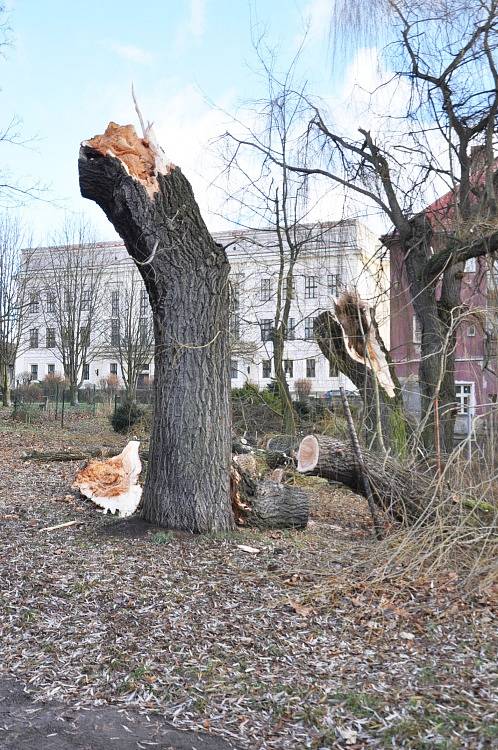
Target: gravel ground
(280, 649)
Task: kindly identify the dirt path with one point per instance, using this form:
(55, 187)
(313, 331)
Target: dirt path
(25, 725)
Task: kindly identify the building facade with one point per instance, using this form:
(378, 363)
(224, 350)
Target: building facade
(331, 257)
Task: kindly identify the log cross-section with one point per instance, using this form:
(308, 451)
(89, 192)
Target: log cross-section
(152, 206)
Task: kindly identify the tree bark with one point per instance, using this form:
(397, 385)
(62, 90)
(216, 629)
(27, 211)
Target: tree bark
(402, 493)
(267, 504)
(5, 386)
(381, 411)
(153, 208)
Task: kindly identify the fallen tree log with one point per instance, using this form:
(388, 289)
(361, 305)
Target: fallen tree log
(267, 504)
(400, 492)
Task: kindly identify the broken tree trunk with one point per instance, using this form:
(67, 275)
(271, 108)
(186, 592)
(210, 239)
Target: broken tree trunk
(267, 504)
(350, 340)
(402, 493)
(152, 206)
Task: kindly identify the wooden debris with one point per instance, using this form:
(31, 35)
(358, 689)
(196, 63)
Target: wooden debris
(59, 526)
(113, 484)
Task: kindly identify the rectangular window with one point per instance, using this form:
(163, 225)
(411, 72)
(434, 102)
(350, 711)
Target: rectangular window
(85, 299)
(51, 300)
(464, 397)
(309, 328)
(417, 331)
(266, 329)
(265, 293)
(144, 303)
(115, 304)
(34, 302)
(115, 333)
(333, 284)
(34, 372)
(85, 336)
(471, 265)
(67, 300)
(33, 338)
(86, 372)
(289, 367)
(310, 368)
(310, 287)
(291, 329)
(234, 369)
(471, 331)
(51, 369)
(266, 368)
(50, 338)
(235, 325)
(113, 368)
(235, 294)
(144, 331)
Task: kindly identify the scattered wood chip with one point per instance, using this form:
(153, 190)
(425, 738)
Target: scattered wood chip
(250, 550)
(301, 609)
(59, 526)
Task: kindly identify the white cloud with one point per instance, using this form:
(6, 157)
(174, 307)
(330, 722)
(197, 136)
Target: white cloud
(132, 53)
(317, 15)
(197, 17)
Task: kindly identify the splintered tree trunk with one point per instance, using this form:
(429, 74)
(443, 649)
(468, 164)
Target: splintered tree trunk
(152, 206)
(402, 493)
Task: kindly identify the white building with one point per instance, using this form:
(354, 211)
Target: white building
(332, 257)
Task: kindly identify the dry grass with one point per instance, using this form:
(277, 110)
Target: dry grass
(288, 648)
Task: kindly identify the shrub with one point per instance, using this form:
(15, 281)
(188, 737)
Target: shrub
(126, 415)
(27, 413)
(303, 388)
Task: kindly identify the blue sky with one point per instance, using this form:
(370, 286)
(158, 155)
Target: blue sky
(71, 64)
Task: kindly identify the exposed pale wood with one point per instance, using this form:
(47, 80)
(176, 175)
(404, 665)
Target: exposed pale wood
(402, 493)
(60, 526)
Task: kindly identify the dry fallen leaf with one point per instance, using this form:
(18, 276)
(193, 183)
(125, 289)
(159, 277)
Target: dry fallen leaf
(300, 609)
(349, 735)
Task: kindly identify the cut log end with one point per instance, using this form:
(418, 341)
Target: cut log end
(308, 453)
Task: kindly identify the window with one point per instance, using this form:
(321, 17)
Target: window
(309, 328)
(34, 302)
(471, 265)
(85, 336)
(310, 287)
(113, 368)
(50, 338)
(86, 372)
(291, 329)
(33, 338)
(266, 368)
(144, 303)
(235, 325)
(234, 369)
(115, 333)
(34, 372)
(289, 367)
(333, 369)
(417, 331)
(464, 397)
(266, 329)
(51, 369)
(265, 293)
(333, 284)
(471, 331)
(67, 300)
(51, 300)
(144, 331)
(115, 304)
(310, 368)
(85, 299)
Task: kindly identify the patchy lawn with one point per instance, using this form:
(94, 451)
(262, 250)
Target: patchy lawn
(287, 648)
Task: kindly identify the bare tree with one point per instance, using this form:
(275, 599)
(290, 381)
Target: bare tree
(131, 331)
(69, 280)
(14, 303)
(446, 53)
